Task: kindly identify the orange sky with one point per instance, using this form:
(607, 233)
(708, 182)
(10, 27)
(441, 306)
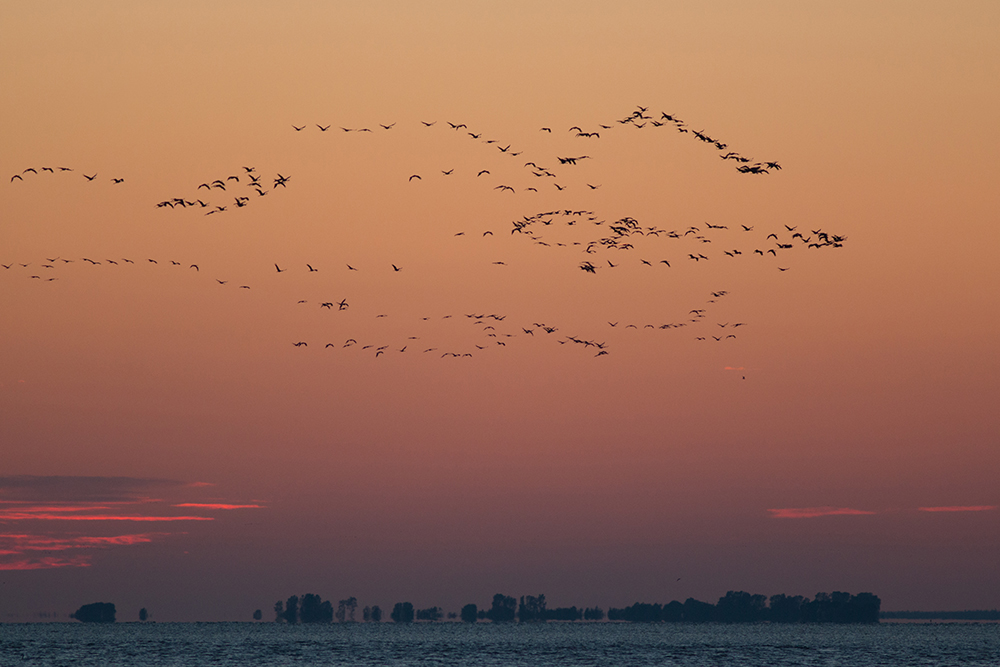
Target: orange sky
(844, 439)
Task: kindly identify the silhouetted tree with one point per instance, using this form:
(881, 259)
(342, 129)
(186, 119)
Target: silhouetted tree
(785, 608)
(430, 614)
(292, 609)
(279, 611)
(376, 614)
(672, 612)
(402, 612)
(313, 609)
(345, 610)
(697, 611)
(531, 609)
(257, 615)
(96, 612)
(352, 604)
(504, 609)
(143, 614)
(470, 613)
(740, 607)
(865, 608)
(593, 614)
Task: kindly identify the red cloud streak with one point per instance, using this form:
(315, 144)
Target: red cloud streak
(811, 512)
(220, 506)
(18, 544)
(30, 516)
(46, 563)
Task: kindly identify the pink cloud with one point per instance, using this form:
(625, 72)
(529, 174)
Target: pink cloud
(46, 563)
(959, 508)
(18, 544)
(811, 512)
(12, 515)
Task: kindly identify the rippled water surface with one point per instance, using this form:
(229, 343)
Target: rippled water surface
(485, 644)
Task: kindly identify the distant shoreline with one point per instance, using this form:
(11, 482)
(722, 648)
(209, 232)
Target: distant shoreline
(969, 615)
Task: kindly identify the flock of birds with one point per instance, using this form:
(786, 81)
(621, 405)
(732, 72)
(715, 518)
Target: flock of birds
(54, 170)
(494, 330)
(623, 235)
(598, 241)
(248, 178)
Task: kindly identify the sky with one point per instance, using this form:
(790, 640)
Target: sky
(515, 321)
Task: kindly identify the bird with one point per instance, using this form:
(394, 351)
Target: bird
(416, 176)
(299, 129)
(311, 269)
(90, 178)
(321, 128)
(395, 268)
(301, 344)
(280, 270)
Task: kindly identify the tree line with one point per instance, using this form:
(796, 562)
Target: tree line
(733, 607)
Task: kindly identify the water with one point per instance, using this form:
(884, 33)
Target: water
(563, 644)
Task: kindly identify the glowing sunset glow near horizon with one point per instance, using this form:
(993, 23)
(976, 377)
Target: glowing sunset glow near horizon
(429, 302)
